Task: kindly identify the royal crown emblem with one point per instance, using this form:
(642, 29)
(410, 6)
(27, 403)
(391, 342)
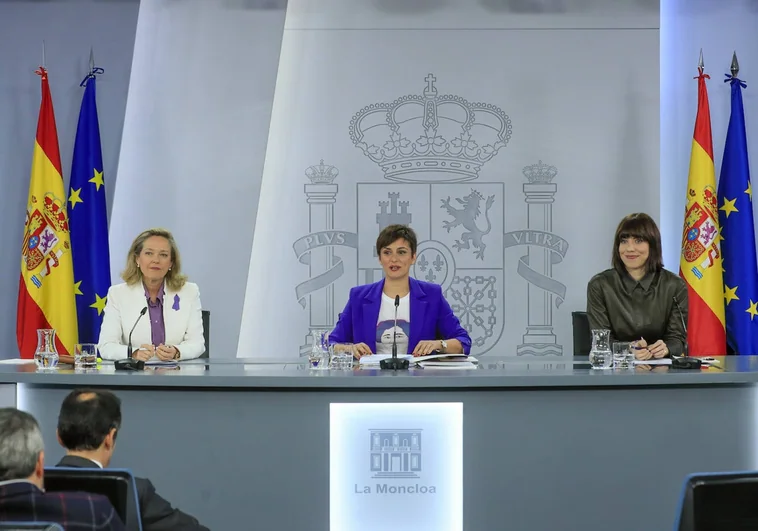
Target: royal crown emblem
(321, 173)
(540, 173)
(430, 137)
(55, 213)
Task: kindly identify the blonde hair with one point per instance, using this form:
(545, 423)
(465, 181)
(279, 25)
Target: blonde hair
(132, 274)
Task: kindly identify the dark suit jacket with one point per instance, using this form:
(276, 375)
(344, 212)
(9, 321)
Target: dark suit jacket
(75, 511)
(157, 513)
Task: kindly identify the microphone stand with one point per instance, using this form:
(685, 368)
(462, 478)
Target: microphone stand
(393, 363)
(130, 364)
(684, 362)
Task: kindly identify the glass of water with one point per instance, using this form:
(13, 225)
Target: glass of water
(341, 356)
(85, 356)
(623, 357)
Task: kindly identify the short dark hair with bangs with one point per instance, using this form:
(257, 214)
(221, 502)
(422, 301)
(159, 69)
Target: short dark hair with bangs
(642, 226)
(392, 233)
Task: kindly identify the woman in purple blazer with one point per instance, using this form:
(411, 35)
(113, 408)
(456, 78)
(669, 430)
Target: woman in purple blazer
(401, 308)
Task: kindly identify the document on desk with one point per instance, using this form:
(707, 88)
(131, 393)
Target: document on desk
(661, 361)
(159, 363)
(447, 365)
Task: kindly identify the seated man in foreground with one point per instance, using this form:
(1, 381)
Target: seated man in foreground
(22, 495)
(88, 424)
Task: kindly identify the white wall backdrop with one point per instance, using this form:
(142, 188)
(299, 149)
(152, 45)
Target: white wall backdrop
(194, 142)
(555, 103)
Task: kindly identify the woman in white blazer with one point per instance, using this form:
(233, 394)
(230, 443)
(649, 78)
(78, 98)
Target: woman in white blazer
(157, 297)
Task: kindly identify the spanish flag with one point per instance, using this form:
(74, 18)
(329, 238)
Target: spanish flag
(46, 289)
(700, 263)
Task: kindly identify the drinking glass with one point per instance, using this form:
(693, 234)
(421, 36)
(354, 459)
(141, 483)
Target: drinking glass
(623, 357)
(342, 356)
(85, 356)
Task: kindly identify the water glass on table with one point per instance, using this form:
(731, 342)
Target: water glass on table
(623, 355)
(342, 356)
(85, 356)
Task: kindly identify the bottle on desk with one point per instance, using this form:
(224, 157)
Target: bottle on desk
(600, 353)
(46, 355)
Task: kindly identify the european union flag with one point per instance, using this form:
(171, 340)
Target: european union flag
(735, 198)
(88, 218)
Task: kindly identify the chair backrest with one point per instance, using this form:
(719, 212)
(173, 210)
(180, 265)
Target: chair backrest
(722, 501)
(582, 336)
(117, 485)
(30, 526)
(207, 333)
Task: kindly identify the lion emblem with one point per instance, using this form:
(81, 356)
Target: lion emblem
(467, 216)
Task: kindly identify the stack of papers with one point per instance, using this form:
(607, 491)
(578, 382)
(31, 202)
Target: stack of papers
(433, 361)
(158, 363)
(447, 362)
(657, 361)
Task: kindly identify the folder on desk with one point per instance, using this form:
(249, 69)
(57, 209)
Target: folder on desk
(447, 362)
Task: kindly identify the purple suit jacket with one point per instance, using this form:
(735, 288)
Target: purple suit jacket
(75, 511)
(431, 316)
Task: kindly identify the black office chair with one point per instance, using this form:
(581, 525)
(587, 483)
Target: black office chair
(582, 336)
(117, 485)
(30, 526)
(207, 333)
(722, 501)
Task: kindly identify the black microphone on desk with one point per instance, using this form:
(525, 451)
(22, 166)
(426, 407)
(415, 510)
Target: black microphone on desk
(130, 364)
(394, 363)
(684, 362)
(394, 328)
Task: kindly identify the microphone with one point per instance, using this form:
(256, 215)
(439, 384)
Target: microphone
(130, 364)
(394, 363)
(394, 328)
(129, 345)
(684, 362)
